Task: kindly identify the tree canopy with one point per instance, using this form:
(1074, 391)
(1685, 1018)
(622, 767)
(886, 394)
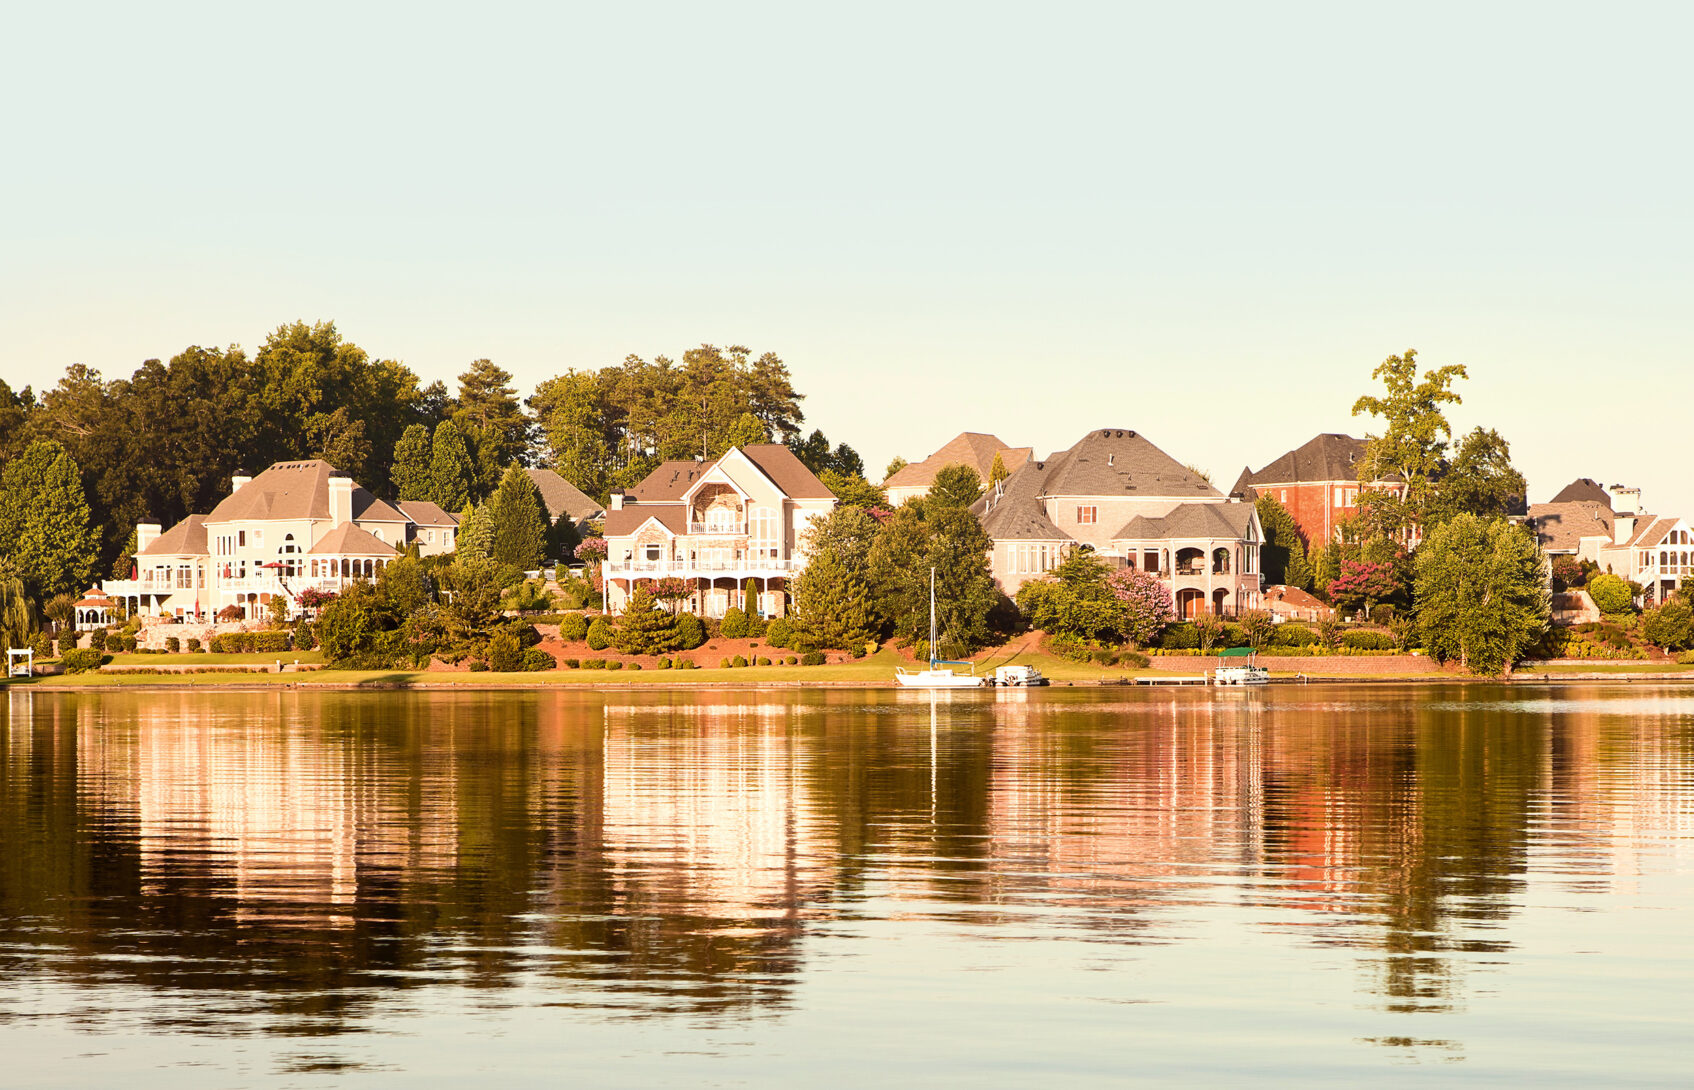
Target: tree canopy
(1481, 592)
(45, 529)
(1412, 444)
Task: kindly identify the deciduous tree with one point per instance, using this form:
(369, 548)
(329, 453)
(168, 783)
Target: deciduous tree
(45, 527)
(1412, 443)
(954, 486)
(1481, 592)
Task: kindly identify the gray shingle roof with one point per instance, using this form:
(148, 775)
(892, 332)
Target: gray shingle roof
(1330, 456)
(425, 513)
(561, 497)
(1560, 527)
(1016, 512)
(186, 538)
(297, 490)
(969, 448)
(1584, 490)
(1191, 520)
(1119, 462)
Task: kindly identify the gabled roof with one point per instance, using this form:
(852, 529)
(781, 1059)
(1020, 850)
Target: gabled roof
(969, 448)
(1293, 596)
(186, 538)
(1330, 456)
(1653, 530)
(297, 490)
(1191, 520)
(1117, 462)
(425, 513)
(672, 480)
(1016, 513)
(348, 540)
(561, 497)
(1560, 527)
(1584, 490)
(627, 520)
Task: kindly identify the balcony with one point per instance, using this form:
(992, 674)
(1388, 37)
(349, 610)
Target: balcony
(705, 568)
(726, 529)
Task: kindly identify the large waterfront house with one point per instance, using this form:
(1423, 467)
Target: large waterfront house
(1608, 527)
(564, 500)
(972, 449)
(294, 527)
(1318, 483)
(1137, 507)
(716, 525)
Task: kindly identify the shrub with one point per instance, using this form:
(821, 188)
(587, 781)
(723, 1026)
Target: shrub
(690, 632)
(172, 645)
(761, 661)
(1182, 636)
(193, 645)
(599, 635)
(270, 642)
(724, 664)
(635, 666)
(505, 653)
(615, 664)
(535, 658)
(1134, 659)
(1686, 658)
(734, 624)
(780, 632)
(43, 646)
(571, 664)
(97, 639)
(738, 662)
(573, 627)
(1369, 641)
(791, 660)
(1293, 635)
(812, 658)
(686, 664)
(304, 637)
(1670, 626)
(67, 643)
(662, 664)
(77, 662)
(1611, 594)
(477, 666)
(593, 664)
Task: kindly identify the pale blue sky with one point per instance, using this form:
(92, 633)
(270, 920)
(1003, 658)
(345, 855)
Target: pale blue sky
(1204, 222)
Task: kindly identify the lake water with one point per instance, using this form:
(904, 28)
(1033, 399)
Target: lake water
(1070, 887)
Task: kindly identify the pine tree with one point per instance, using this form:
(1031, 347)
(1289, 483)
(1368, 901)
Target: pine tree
(44, 522)
(476, 532)
(518, 526)
(997, 472)
(644, 630)
(451, 470)
(831, 605)
(125, 563)
(412, 465)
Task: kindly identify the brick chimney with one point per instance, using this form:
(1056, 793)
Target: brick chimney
(340, 500)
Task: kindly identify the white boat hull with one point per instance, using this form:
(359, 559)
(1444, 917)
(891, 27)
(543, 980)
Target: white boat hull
(938, 679)
(1241, 675)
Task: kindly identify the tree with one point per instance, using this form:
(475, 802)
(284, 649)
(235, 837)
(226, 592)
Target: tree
(1411, 445)
(832, 605)
(17, 614)
(1481, 592)
(412, 474)
(360, 630)
(1363, 582)
(954, 486)
(1282, 557)
(1256, 625)
(1075, 600)
(517, 522)
(452, 473)
(748, 430)
(1209, 626)
(644, 629)
(951, 541)
(1611, 594)
(895, 465)
(851, 490)
(45, 527)
(1147, 605)
(1481, 480)
(576, 427)
(125, 562)
(493, 422)
(997, 471)
(476, 532)
(818, 456)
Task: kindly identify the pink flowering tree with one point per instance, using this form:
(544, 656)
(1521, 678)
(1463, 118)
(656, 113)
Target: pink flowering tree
(671, 590)
(1147, 606)
(592, 550)
(1363, 582)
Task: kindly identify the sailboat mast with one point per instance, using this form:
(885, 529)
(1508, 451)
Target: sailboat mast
(932, 616)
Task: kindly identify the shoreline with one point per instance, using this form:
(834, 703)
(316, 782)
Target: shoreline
(425, 681)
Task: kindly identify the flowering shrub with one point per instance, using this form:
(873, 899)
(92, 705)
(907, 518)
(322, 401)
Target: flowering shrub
(1147, 604)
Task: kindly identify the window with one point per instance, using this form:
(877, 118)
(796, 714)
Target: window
(653, 551)
(258, 537)
(241, 538)
(1087, 515)
(1340, 496)
(720, 519)
(429, 536)
(762, 524)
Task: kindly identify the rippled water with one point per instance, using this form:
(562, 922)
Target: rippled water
(837, 888)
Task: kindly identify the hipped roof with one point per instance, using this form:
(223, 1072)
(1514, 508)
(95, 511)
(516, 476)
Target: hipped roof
(297, 490)
(970, 448)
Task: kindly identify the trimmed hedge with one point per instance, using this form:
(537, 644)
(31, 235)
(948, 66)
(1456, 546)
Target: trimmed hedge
(812, 658)
(77, 662)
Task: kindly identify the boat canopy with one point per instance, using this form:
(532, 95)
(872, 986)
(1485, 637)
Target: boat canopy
(1236, 653)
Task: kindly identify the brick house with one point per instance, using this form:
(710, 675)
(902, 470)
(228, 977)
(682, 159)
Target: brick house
(1318, 483)
(1137, 507)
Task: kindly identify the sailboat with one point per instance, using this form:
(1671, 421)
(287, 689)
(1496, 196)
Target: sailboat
(935, 677)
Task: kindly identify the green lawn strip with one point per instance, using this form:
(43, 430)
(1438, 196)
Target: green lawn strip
(206, 658)
(1604, 667)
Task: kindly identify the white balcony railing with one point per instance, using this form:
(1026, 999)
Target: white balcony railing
(717, 528)
(749, 565)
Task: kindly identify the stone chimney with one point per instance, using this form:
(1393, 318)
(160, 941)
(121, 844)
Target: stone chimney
(340, 500)
(235, 483)
(145, 534)
(616, 501)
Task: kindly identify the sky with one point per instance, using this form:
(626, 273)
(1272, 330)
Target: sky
(1207, 223)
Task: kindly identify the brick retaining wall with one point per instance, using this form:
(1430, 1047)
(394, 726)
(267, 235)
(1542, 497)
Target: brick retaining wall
(1311, 665)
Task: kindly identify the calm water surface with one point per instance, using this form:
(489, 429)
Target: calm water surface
(1470, 884)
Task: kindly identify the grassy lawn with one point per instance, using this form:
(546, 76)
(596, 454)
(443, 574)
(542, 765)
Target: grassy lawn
(206, 658)
(1608, 668)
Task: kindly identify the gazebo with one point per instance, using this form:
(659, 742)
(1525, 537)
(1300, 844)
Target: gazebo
(93, 609)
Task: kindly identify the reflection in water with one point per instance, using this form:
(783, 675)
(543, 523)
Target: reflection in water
(324, 864)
